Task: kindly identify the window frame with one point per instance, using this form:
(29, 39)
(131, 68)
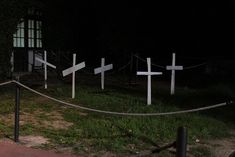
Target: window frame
(32, 35)
(19, 35)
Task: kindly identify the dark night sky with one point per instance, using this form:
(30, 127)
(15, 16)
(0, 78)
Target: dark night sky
(194, 29)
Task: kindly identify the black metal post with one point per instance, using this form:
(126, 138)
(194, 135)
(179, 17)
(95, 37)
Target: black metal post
(136, 66)
(181, 142)
(17, 114)
(131, 69)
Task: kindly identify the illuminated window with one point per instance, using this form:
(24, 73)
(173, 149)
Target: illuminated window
(31, 34)
(18, 36)
(34, 34)
(29, 31)
(39, 34)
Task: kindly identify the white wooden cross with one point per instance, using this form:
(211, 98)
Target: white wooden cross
(149, 74)
(173, 67)
(72, 70)
(102, 69)
(45, 66)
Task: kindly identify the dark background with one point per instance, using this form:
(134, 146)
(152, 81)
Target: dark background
(195, 29)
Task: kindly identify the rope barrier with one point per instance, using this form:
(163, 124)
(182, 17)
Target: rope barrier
(5, 83)
(123, 67)
(194, 66)
(117, 113)
(163, 67)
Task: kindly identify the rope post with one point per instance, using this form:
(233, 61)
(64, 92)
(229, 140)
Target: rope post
(17, 109)
(131, 69)
(136, 65)
(181, 142)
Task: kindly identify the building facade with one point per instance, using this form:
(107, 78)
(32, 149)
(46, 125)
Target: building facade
(28, 42)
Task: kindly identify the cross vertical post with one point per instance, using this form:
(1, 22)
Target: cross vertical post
(73, 76)
(173, 75)
(45, 69)
(149, 74)
(102, 69)
(173, 67)
(44, 61)
(102, 73)
(72, 71)
(149, 81)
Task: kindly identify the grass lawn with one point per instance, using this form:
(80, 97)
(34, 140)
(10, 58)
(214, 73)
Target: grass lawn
(93, 134)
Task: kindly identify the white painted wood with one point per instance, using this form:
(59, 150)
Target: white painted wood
(48, 64)
(149, 74)
(73, 77)
(102, 69)
(45, 67)
(75, 68)
(72, 71)
(105, 68)
(173, 67)
(102, 73)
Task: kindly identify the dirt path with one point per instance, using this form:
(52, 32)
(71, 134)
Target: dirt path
(10, 149)
(223, 147)
(219, 147)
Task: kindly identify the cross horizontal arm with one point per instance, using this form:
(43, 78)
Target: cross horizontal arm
(74, 68)
(105, 68)
(108, 67)
(148, 73)
(174, 68)
(42, 61)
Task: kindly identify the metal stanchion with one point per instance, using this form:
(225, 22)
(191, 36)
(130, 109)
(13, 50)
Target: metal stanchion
(17, 109)
(131, 69)
(181, 142)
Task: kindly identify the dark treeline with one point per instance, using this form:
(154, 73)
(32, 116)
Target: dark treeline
(153, 29)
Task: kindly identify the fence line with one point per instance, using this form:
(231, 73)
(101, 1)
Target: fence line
(7, 82)
(194, 66)
(163, 67)
(116, 113)
(123, 67)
